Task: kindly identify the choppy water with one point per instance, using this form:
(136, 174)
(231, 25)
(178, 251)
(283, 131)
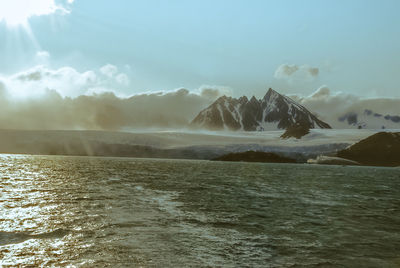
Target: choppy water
(96, 212)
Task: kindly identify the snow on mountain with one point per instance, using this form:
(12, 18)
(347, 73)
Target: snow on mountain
(370, 120)
(273, 111)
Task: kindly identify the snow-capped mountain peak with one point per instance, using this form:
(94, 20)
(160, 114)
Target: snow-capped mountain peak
(273, 111)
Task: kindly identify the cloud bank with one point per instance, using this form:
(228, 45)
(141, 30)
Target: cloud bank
(105, 111)
(43, 98)
(343, 110)
(65, 98)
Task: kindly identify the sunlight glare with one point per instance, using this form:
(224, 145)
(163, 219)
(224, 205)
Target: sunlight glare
(18, 12)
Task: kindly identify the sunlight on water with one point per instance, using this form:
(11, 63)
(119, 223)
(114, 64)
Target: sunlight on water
(145, 212)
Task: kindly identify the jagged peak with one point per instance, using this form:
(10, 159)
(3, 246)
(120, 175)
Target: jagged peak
(243, 99)
(270, 93)
(274, 107)
(223, 98)
(253, 99)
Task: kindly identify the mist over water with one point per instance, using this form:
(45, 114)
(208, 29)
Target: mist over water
(120, 212)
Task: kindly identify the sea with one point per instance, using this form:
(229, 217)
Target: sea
(59, 211)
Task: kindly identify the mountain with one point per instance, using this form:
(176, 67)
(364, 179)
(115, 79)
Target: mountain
(380, 149)
(274, 111)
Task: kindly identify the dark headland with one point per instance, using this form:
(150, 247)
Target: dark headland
(253, 156)
(380, 149)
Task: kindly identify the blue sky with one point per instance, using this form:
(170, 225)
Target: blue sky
(164, 45)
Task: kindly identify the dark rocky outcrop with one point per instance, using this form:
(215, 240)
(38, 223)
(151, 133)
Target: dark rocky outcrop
(380, 149)
(253, 156)
(296, 131)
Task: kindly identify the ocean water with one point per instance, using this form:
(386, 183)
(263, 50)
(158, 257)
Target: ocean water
(124, 212)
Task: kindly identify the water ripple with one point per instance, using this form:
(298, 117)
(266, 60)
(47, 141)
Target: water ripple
(95, 212)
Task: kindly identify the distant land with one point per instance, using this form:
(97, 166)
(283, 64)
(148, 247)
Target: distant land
(380, 149)
(206, 145)
(254, 156)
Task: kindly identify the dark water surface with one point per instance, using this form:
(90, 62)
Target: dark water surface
(99, 212)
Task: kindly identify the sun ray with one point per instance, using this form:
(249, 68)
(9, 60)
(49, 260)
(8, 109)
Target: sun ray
(17, 12)
(19, 42)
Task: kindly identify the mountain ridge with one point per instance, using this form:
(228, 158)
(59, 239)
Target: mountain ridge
(273, 111)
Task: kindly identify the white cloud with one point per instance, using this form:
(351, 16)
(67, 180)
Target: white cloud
(43, 54)
(213, 92)
(321, 92)
(293, 72)
(42, 57)
(35, 81)
(112, 74)
(285, 70)
(66, 80)
(122, 79)
(109, 70)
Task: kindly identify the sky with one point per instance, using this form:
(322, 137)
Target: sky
(164, 45)
(209, 48)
